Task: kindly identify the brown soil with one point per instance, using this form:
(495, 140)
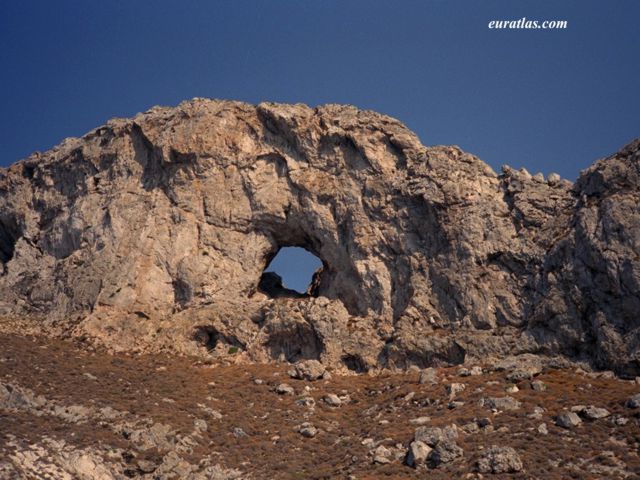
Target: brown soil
(168, 390)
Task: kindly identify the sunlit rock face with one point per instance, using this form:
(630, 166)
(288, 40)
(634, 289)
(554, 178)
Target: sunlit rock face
(148, 231)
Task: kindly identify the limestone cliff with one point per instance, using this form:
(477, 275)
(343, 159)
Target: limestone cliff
(153, 233)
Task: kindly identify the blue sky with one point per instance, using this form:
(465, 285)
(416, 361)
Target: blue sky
(546, 100)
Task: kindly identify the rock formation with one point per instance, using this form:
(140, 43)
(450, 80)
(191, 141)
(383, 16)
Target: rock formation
(152, 233)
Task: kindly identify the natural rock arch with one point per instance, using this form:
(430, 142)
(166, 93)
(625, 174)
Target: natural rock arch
(148, 228)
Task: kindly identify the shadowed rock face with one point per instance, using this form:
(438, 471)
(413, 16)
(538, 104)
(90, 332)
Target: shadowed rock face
(143, 229)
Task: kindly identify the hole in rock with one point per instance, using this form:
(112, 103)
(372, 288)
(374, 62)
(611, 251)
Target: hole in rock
(9, 234)
(354, 363)
(294, 273)
(209, 337)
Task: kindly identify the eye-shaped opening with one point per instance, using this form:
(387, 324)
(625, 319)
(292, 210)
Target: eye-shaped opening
(294, 272)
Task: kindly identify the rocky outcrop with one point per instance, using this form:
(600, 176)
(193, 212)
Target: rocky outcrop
(153, 233)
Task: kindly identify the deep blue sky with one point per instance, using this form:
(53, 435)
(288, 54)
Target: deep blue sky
(545, 100)
(296, 267)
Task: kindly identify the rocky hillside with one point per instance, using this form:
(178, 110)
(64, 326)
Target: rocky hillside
(155, 417)
(152, 234)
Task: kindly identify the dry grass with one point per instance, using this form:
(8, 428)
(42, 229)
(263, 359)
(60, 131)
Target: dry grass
(142, 385)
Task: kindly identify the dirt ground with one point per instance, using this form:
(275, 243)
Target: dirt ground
(178, 391)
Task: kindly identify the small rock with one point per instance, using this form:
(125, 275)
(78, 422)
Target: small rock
(446, 451)
(455, 404)
(258, 381)
(89, 376)
(382, 455)
(434, 435)
(307, 430)
(464, 372)
(621, 421)
(536, 414)
(239, 433)
(200, 425)
(368, 442)
(568, 420)
(409, 396)
(306, 402)
(542, 429)
(484, 422)
(553, 178)
(428, 376)
(501, 403)
(538, 386)
(454, 388)
(471, 427)
(524, 173)
(475, 371)
(307, 370)
(634, 402)
(285, 389)
(512, 388)
(417, 454)
(420, 421)
(521, 367)
(594, 413)
(332, 400)
(500, 460)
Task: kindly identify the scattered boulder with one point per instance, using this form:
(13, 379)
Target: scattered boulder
(307, 430)
(417, 454)
(239, 432)
(382, 455)
(308, 402)
(568, 420)
(332, 400)
(307, 370)
(500, 460)
(285, 389)
(536, 414)
(520, 367)
(446, 451)
(420, 421)
(501, 403)
(434, 435)
(538, 386)
(512, 388)
(593, 413)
